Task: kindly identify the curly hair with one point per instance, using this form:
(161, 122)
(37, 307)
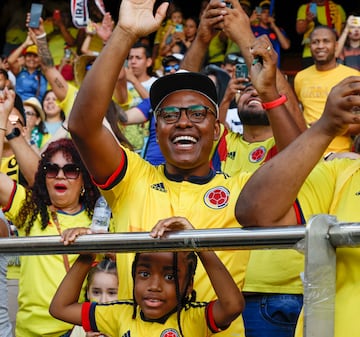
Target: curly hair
(37, 197)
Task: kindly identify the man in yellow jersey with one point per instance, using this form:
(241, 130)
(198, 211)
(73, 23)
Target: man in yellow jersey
(273, 288)
(187, 126)
(328, 187)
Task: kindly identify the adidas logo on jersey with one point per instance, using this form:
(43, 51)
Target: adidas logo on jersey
(159, 187)
(127, 334)
(231, 155)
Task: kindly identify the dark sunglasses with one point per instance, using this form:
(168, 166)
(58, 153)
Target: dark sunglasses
(195, 113)
(168, 68)
(71, 171)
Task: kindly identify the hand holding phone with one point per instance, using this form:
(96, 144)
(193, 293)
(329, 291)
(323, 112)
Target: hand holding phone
(241, 70)
(56, 15)
(35, 15)
(179, 28)
(313, 8)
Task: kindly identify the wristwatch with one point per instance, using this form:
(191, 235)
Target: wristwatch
(13, 134)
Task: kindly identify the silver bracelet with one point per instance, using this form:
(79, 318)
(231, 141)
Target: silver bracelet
(38, 37)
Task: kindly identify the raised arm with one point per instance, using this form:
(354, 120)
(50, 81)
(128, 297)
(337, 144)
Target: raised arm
(237, 27)
(230, 302)
(15, 67)
(101, 152)
(6, 105)
(263, 75)
(342, 39)
(268, 196)
(55, 79)
(65, 305)
(210, 23)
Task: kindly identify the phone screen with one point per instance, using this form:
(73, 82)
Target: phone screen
(241, 70)
(313, 8)
(35, 15)
(179, 28)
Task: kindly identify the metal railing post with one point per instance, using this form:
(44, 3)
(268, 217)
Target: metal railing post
(319, 278)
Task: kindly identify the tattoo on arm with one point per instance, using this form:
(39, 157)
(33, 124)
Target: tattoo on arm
(59, 83)
(44, 52)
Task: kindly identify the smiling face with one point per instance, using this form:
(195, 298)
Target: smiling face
(322, 46)
(250, 109)
(155, 290)
(51, 109)
(64, 193)
(186, 145)
(32, 61)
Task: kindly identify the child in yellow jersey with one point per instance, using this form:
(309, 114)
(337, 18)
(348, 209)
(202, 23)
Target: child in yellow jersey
(164, 299)
(102, 287)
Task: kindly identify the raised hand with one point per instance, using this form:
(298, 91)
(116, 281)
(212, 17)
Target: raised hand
(137, 19)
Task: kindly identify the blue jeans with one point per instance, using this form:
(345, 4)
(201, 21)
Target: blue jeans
(271, 315)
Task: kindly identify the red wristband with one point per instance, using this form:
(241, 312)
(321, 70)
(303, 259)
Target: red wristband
(271, 105)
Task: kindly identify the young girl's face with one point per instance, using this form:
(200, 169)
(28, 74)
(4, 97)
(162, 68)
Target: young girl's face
(176, 17)
(155, 290)
(103, 288)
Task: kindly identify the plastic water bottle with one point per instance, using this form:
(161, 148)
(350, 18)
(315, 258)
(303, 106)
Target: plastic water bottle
(101, 217)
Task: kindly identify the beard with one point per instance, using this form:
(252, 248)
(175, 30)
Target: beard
(250, 117)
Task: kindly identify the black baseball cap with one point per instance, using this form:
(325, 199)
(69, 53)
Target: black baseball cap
(182, 80)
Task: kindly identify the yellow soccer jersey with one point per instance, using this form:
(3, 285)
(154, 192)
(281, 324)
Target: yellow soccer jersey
(243, 156)
(115, 319)
(146, 194)
(334, 188)
(10, 167)
(281, 267)
(40, 275)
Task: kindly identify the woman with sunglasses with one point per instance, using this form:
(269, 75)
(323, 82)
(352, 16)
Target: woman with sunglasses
(62, 196)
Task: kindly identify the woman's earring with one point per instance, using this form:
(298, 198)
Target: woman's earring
(82, 192)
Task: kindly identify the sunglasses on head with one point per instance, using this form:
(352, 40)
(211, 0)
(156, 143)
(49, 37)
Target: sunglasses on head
(168, 68)
(71, 171)
(233, 59)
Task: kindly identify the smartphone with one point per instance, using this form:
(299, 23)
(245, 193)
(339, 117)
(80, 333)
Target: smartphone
(258, 10)
(313, 8)
(241, 70)
(35, 15)
(228, 4)
(179, 28)
(56, 15)
(67, 53)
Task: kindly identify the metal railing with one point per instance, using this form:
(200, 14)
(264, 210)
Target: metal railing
(317, 240)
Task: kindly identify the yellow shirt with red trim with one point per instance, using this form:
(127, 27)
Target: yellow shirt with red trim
(244, 156)
(140, 194)
(334, 188)
(268, 271)
(40, 275)
(115, 319)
